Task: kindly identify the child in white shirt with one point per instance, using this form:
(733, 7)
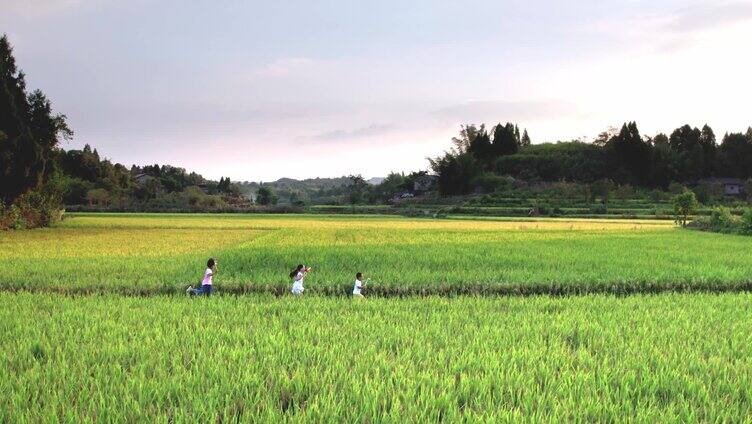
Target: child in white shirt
(206, 282)
(358, 286)
(298, 275)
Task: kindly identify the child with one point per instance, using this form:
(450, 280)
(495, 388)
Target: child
(358, 285)
(298, 275)
(206, 283)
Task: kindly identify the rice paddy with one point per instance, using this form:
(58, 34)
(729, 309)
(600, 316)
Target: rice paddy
(162, 254)
(597, 358)
(77, 348)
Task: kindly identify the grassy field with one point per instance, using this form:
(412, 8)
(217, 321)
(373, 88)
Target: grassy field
(170, 358)
(656, 358)
(150, 254)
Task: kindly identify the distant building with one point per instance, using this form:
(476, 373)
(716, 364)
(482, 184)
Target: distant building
(143, 178)
(399, 197)
(149, 183)
(425, 183)
(731, 186)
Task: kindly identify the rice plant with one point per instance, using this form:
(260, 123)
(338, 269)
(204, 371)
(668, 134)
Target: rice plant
(671, 357)
(162, 254)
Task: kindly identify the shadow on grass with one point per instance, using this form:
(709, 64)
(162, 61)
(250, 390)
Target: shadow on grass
(625, 288)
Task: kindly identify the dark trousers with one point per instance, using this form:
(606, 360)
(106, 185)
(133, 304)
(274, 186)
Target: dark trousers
(206, 290)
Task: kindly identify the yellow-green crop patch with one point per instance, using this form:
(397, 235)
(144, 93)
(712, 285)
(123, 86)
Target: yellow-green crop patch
(660, 358)
(153, 253)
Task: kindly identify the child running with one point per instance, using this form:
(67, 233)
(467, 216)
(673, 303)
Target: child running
(298, 275)
(358, 286)
(206, 283)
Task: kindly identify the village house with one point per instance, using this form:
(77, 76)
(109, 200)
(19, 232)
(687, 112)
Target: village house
(731, 186)
(142, 178)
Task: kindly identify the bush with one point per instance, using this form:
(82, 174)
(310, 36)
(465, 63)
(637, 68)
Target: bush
(676, 188)
(685, 204)
(625, 191)
(31, 210)
(721, 219)
(656, 196)
(746, 222)
(701, 223)
(12, 218)
(599, 209)
(490, 182)
(414, 212)
(708, 193)
(75, 190)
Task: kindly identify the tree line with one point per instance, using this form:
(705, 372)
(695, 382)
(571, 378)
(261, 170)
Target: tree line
(37, 177)
(86, 178)
(351, 189)
(29, 135)
(686, 156)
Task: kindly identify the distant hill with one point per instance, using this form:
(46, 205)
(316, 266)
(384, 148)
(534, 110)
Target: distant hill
(293, 184)
(309, 183)
(314, 190)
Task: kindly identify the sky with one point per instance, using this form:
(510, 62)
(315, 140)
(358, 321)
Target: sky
(259, 90)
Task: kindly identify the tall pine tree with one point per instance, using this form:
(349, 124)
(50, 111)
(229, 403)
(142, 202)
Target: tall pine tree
(506, 139)
(709, 147)
(31, 131)
(525, 140)
(630, 155)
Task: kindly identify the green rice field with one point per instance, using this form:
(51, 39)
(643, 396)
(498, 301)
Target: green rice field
(598, 358)
(162, 254)
(622, 320)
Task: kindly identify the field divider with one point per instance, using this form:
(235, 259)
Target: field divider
(469, 290)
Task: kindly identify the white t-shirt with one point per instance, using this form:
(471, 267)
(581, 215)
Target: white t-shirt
(357, 287)
(297, 285)
(207, 277)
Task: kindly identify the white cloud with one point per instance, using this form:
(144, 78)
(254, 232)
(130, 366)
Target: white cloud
(284, 67)
(357, 133)
(710, 15)
(491, 112)
(675, 30)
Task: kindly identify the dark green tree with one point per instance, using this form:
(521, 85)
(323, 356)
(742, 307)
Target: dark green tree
(480, 147)
(456, 171)
(265, 196)
(467, 135)
(392, 184)
(31, 131)
(506, 139)
(525, 140)
(663, 163)
(691, 157)
(630, 156)
(685, 205)
(735, 155)
(457, 168)
(357, 189)
(224, 185)
(709, 148)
